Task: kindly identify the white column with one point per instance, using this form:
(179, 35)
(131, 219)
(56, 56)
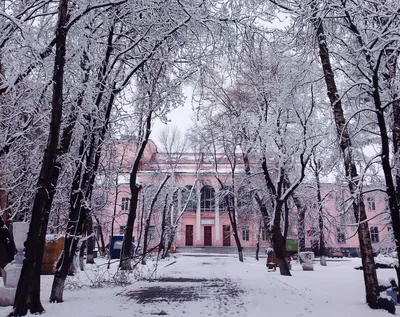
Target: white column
(198, 217)
(256, 226)
(179, 229)
(179, 224)
(217, 229)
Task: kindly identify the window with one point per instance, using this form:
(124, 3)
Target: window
(374, 234)
(371, 203)
(264, 234)
(125, 203)
(152, 232)
(96, 231)
(207, 198)
(226, 199)
(341, 237)
(244, 197)
(122, 229)
(245, 234)
(189, 197)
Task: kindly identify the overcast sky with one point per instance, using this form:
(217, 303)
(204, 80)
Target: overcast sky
(180, 117)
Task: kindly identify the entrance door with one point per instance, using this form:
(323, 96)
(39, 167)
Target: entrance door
(189, 235)
(226, 234)
(207, 236)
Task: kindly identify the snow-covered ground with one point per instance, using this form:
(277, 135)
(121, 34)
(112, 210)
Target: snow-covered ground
(215, 286)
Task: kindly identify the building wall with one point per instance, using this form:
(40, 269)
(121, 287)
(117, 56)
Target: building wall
(188, 171)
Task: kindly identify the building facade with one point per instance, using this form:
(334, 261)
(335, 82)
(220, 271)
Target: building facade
(197, 185)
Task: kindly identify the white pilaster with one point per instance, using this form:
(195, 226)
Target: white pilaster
(178, 212)
(179, 229)
(198, 217)
(217, 227)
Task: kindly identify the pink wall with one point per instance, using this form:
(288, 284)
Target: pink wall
(185, 175)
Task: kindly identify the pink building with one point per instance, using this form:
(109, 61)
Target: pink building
(197, 205)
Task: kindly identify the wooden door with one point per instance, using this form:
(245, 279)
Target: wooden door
(189, 235)
(207, 236)
(226, 235)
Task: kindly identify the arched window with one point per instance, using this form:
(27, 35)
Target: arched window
(244, 197)
(189, 197)
(207, 199)
(226, 198)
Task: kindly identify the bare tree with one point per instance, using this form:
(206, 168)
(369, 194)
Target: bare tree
(28, 290)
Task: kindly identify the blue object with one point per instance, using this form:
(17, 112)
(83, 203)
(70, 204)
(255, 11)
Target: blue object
(116, 246)
(393, 295)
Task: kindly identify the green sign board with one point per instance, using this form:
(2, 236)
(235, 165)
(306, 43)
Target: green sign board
(291, 245)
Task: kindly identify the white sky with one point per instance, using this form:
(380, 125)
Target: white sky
(180, 117)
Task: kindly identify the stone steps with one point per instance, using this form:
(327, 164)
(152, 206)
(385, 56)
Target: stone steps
(247, 251)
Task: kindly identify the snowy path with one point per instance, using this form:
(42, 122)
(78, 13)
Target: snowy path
(222, 286)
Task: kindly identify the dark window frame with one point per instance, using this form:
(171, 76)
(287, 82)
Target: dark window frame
(374, 233)
(340, 236)
(245, 234)
(125, 203)
(227, 192)
(264, 234)
(185, 195)
(371, 203)
(122, 229)
(207, 199)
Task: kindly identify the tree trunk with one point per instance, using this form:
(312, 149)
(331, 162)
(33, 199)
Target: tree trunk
(161, 245)
(393, 193)
(320, 215)
(113, 220)
(278, 242)
(229, 200)
(100, 231)
(170, 240)
(75, 227)
(261, 205)
(285, 221)
(392, 66)
(141, 224)
(392, 185)
(301, 232)
(370, 278)
(145, 240)
(126, 252)
(81, 192)
(90, 240)
(28, 290)
(257, 250)
(82, 256)
(237, 241)
(146, 229)
(320, 220)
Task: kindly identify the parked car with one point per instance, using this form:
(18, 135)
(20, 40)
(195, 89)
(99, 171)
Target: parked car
(336, 254)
